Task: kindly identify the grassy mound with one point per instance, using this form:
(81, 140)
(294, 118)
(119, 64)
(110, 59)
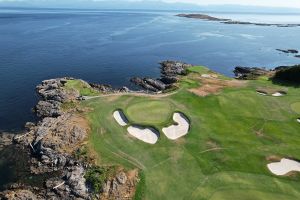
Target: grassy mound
(84, 88)
(224, 156)
(296, 107)
(149, 112)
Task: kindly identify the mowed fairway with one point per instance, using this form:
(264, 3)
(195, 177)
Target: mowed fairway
(223, 157)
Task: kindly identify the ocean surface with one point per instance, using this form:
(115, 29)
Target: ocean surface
(113, 46)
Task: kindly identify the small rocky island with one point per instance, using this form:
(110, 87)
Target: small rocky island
(230, 21)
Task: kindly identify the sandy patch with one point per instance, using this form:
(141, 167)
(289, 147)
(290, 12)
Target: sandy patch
(209, 76)
(174, 132)
(261, 93)
(214, 86)
(277, 94)
(284, 167)
(120, 118)
(147, 135)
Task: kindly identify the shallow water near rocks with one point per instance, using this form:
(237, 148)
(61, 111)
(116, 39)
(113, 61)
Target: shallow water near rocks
(14, 168)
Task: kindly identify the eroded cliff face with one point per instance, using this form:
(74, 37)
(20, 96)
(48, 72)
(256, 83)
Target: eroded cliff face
(52, 143)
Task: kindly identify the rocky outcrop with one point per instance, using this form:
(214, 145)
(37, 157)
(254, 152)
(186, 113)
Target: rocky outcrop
(121, 187)
(53, 94)
(249, 73)
(170, 72)
(19, 194)
(292, 51)
(5, 139)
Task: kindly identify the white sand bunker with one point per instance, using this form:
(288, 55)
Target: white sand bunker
(261, 93)
(147, 135)
(176, 131)
(120, 118)
(278, 94)
(284, 166)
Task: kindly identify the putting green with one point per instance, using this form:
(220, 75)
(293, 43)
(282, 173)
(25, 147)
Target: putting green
(150, 112)
(296, 107)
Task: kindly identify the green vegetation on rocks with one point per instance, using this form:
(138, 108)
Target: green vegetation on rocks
(96, 176)
(83, 87)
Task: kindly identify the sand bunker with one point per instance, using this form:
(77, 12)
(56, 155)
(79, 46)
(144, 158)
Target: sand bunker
(278, 94)
(261, 93)
(148, 135)
(120, 118)
(284, 167)
(180, 129)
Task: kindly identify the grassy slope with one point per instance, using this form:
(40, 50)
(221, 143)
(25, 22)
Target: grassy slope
(184, 169)
(83, 88)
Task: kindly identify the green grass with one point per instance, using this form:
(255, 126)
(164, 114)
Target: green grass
(199, 69)
(243, 127)
(81, 86)
(296, 107)
(149, 112)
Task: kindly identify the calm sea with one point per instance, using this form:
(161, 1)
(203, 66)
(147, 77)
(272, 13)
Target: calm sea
(112, 46)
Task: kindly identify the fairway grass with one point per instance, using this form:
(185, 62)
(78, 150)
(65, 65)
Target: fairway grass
(296, 107)
(225, 155)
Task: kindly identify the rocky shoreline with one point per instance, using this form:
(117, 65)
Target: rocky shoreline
(230, 21)
(51, 144)
(170, 72)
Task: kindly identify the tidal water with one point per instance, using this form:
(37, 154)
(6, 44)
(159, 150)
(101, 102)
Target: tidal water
(112, 46)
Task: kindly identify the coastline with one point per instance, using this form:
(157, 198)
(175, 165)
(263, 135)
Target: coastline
(55, 144)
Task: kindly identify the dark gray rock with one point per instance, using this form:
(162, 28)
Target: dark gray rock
(249, 73)
(49, 108)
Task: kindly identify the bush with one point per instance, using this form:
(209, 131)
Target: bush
(289, 75)
(96, 176)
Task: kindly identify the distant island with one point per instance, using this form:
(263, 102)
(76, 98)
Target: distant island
(230, 21)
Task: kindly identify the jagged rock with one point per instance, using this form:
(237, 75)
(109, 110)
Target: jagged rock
(18, 195)
(121, 186)
(155, 83)
(249, 72)
(29, 125)
(75, 179)
(5, 139)
(48, 108)
(170, 70)
(121, 178)
(140, 82)
(101, 87)
(124, 89)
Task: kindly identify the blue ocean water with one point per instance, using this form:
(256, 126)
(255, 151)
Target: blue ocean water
(112, 46)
